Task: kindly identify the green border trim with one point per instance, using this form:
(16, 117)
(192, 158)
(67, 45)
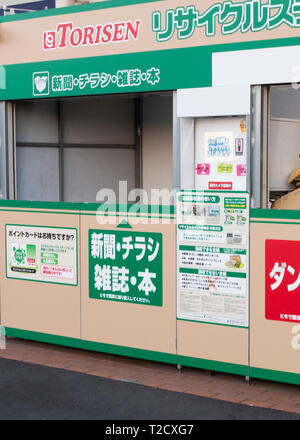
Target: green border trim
(93, 346)
(84, 208)
(292, 214)
(42, 281)
(242, 370)
(69, 206)
(275, 223)
(213, 323)
(74, 9)
(134, 208)
(206, 364)
(40, 212)
(278, 376)
(109, 214)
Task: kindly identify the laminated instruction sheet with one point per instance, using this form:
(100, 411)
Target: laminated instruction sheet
(212, 256)
(42, 253)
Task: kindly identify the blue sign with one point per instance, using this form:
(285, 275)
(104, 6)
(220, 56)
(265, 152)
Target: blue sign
(26, 7)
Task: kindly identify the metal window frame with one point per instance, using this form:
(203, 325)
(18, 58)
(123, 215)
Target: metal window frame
(61, 145)
(260, 109)
(7, 150)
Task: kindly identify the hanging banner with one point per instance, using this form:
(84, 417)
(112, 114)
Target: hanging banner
(212, 256)
(42, 253)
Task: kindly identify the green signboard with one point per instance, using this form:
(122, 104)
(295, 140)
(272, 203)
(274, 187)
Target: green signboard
(125, 73)
(126, 266)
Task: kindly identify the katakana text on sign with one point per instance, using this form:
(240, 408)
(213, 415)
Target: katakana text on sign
(229, 16)
(282, 280)
(45, 84)
(125, 266)
(41, 253)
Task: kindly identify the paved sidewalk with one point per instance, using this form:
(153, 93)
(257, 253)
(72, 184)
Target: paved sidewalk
(219, 386)
(36, 392)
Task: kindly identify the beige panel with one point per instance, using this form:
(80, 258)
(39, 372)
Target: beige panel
(35, 306)
(16, 35)
(270, 341)
(131, 325)
(213, 342)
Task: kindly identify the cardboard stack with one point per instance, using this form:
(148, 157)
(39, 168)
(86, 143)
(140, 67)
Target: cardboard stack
(292, 199)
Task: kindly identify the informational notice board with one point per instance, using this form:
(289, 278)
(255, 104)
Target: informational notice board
(42, 253)
(126, 266)
(221, 154)
(212, 256)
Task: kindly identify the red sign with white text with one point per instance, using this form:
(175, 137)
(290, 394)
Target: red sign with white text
(220, 186)
(282, 280)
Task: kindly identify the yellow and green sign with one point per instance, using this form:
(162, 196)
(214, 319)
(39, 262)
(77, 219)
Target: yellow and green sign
(42, 253)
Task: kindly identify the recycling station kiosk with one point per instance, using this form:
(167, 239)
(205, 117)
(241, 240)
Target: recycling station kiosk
(142, 146)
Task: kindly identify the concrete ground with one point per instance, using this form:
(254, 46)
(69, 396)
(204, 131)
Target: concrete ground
(132, 389)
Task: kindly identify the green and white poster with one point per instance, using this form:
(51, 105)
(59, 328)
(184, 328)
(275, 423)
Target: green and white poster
(41, 253)
(212, 257)
(126, 266)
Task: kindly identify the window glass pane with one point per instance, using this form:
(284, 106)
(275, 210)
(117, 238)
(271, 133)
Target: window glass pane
(37, 173)
(36, 121)
(284, 134)
(87, 170)
(284, 103)
(284, 143)
(99, 121)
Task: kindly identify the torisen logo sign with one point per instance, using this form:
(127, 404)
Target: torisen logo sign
(282, 282)
(67, 35)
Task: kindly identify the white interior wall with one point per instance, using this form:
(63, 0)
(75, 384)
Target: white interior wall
(213, 101)
(157, 142)
(277, 65)
(187, 141)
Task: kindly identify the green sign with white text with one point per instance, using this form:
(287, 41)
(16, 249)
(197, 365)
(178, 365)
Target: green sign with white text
(139, 72)
(126, 266)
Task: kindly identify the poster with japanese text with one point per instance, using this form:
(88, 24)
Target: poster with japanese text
(282, 280)
(41, 253)
(212, 257)
(126, 266)
(221, 154)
